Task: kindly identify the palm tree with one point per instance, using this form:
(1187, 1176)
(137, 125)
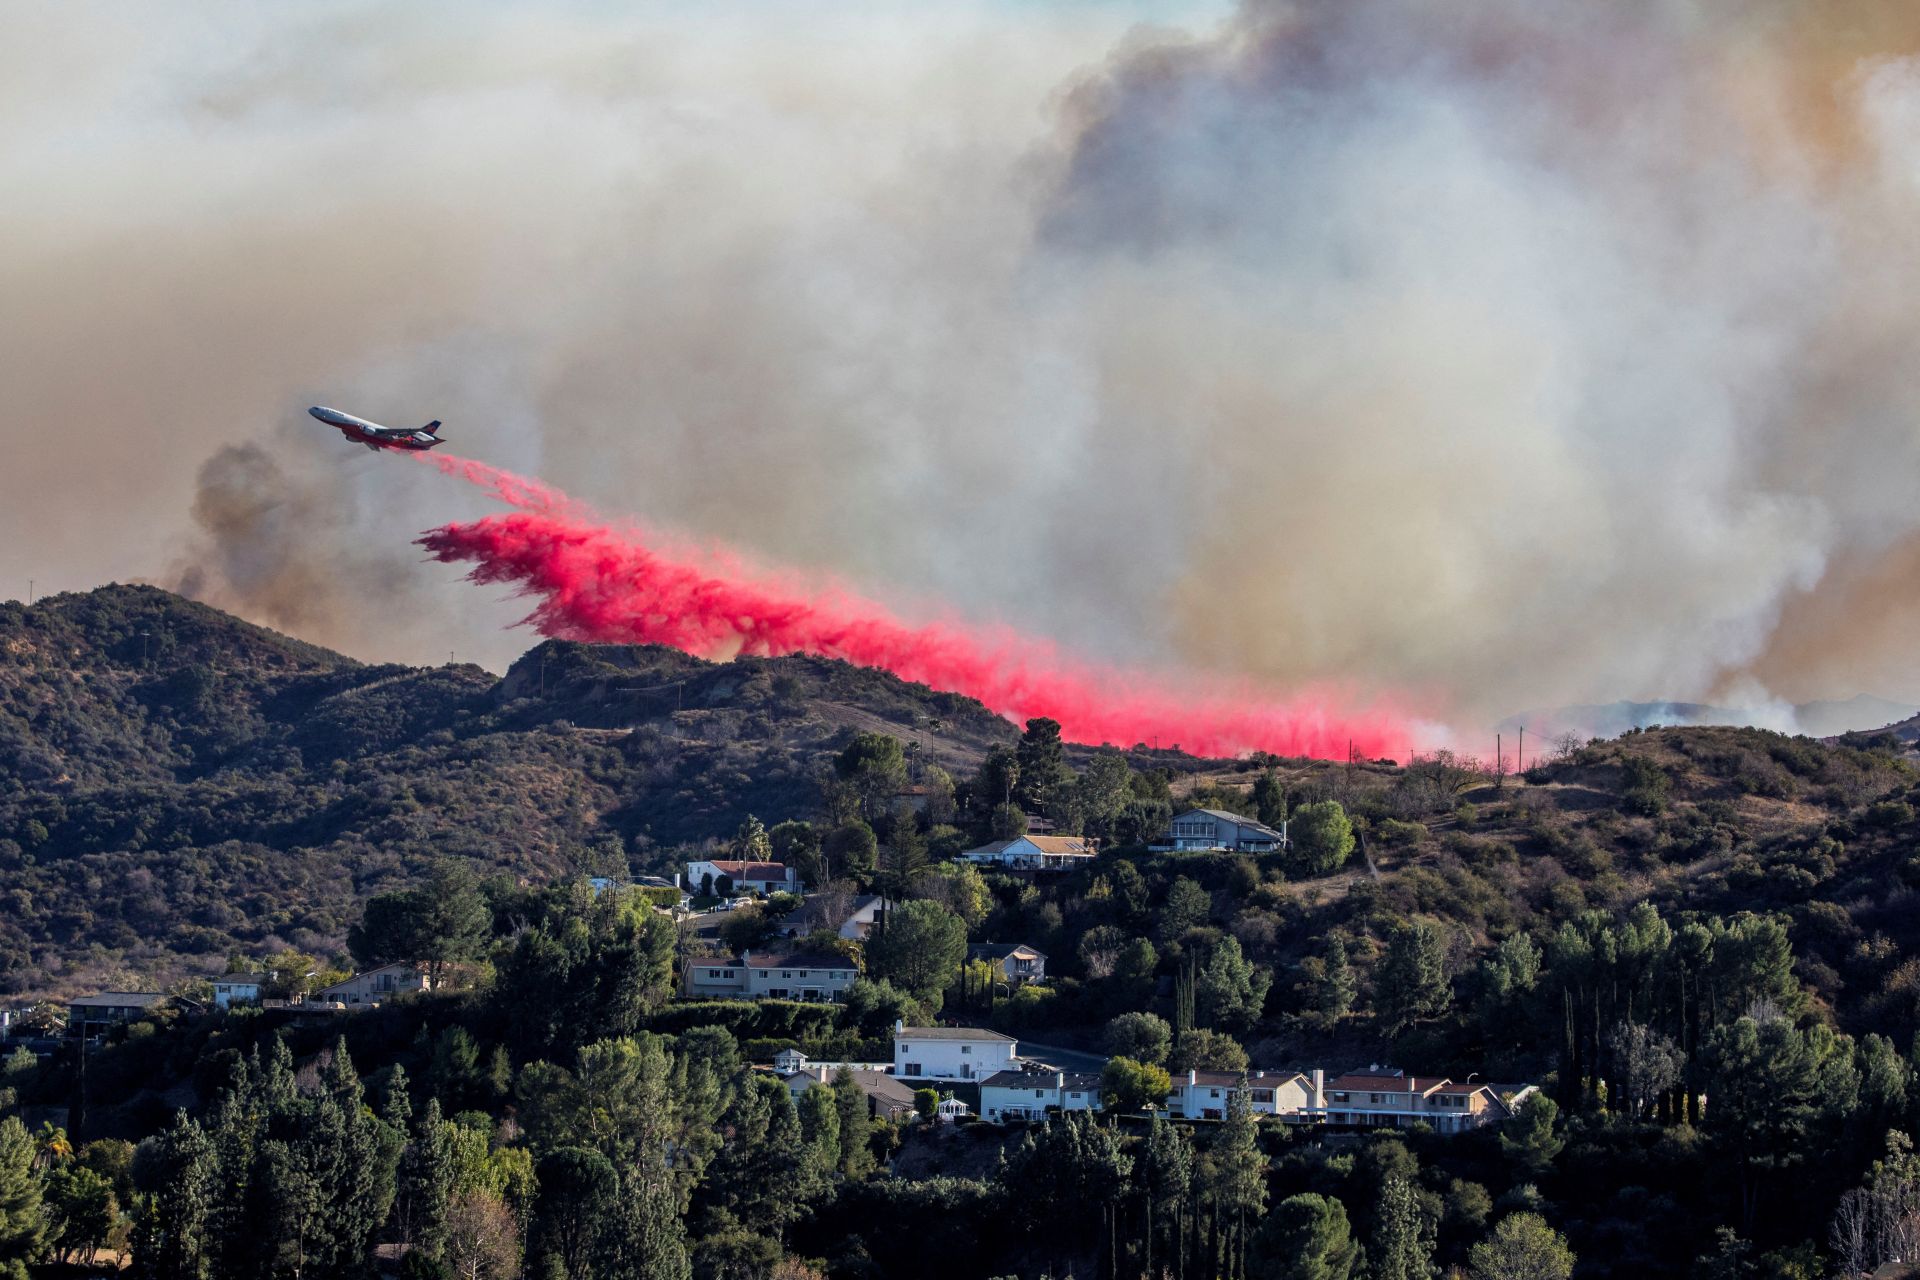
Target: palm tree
(50, 1146)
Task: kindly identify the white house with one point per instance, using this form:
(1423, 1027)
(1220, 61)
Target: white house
(848, 916)
(746, 877)
(374, 986)
(950, 1053)
(1216, 829)
(1034, 853)
(769, 975)
(1031, 1094)
(1202, 1095)
(237, 988)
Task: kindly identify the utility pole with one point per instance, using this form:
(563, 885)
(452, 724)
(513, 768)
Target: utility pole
(1522, 752)
(143, 647)
(29, 590)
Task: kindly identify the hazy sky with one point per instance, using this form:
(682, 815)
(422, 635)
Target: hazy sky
(1494, 352)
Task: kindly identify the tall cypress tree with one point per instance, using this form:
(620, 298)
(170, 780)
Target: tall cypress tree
(170, 1240)
(1402, 1235)
(21, 1226)
(425, 1184)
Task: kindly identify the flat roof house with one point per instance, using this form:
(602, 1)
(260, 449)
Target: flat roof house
(950, 1053)
(1034, 853)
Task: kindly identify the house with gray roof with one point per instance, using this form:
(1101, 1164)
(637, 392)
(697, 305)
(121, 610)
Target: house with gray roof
(1199, 830)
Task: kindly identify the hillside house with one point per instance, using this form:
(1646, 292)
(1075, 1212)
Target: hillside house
(1203, 1095)
(230, 989)
(374, 986)
(1379, 1098)
(1033, 1093)
(1016, 961)
(1034, 853)
(950, 1053)
(706, 876)
(89, 1016)
(887, 1098)
(769, 975)
(1199, 830)
(849, 916)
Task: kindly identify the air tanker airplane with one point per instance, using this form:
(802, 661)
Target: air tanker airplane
(375, 436)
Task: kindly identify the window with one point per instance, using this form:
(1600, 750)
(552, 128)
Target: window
(803, 973)
(785, 973)
(966, 1048)
(1214, 1092)
(1376, 1098)
(1263, 1095)
(1039, 1093)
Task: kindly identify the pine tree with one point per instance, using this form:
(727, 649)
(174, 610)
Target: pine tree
(425, 1183)
(856, 1161)
(1413, 979)
(1402, 1236)
(170, 1242)
(1238, 1185)
(1336, 990)
(1164, 1174)
(644, 1238)
(21, 1226)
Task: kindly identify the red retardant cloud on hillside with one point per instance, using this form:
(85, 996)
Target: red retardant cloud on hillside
(617, 584)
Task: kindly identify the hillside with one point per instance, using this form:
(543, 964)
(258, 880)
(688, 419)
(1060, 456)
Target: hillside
(176, 784)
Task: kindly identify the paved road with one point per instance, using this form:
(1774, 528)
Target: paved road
(1066, 1059)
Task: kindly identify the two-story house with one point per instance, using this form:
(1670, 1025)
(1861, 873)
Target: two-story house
(1216, 829)
(950, 1053)
(1034, 853)
(89, 1016)
(1381, 1098)
(1015, 961)
(769, 975)
(1032, 1092)
(707, 875)
(1203, 1095)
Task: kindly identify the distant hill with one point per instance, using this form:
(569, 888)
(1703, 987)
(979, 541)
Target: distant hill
(1824, 719)
(176, 783)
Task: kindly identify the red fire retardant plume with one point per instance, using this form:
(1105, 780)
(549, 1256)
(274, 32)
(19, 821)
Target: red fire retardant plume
(607, 583)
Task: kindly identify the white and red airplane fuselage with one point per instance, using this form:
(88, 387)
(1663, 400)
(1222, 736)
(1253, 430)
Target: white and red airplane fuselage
(375, 436)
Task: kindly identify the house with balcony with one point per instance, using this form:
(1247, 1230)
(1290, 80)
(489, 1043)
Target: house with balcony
(1033, 1092)
(1034, 853)
(375, 986)
(89, 1016)
(950, 1053)
(1216, 830)
(1381, 1098)
(1015, 961)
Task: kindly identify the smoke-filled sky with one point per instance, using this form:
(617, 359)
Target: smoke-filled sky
(1484, 353)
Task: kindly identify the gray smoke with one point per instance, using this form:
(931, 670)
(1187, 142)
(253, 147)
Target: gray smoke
(1495, 353)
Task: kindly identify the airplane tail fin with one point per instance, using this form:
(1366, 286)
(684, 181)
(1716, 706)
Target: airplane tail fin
(432, 428)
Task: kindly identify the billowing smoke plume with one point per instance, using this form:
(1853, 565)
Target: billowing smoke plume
(1497, 352)
(597, 582)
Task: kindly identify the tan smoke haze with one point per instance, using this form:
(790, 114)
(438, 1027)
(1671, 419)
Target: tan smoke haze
(1497, 352)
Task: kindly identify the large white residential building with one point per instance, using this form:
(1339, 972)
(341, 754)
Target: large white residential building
(1032, 1092)
(237, 988)
(1034, 853)
(1216, 829)
(950, 1053)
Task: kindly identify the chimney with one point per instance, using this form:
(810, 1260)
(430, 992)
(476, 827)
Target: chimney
(1193, 1077)
(1319, 1089)
(899, 1025)
(1059, 1079)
